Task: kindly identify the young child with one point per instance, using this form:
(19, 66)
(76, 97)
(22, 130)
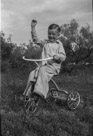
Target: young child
(51, 48)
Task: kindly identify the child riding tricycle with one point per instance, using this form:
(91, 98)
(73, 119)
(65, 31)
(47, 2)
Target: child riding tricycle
(53, 54)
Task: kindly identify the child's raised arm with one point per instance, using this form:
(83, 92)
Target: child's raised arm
(34, 34)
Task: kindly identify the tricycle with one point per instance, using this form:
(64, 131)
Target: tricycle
(72, 99)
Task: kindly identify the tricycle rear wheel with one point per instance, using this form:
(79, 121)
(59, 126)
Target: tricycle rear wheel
(73, 100)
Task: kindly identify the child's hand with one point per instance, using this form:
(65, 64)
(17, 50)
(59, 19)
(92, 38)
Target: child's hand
(33, 23)
(50, 61)
(56, 58)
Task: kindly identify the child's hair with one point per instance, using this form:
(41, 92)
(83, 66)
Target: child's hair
(54, 26)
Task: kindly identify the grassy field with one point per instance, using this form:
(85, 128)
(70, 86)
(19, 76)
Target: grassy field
(53, 119)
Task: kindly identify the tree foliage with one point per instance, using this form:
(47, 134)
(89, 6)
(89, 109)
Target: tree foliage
(78, 44)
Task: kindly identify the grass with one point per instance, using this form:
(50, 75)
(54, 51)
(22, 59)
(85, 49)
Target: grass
(51, 119)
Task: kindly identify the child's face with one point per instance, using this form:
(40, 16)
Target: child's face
(53, 35)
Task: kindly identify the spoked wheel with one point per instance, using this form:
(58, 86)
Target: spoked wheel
(73, 100)
(30, 105)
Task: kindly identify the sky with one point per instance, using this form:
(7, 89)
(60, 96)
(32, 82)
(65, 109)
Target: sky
(16, 16)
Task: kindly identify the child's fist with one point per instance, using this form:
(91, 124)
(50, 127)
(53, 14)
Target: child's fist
(33, 23)
(56, 58)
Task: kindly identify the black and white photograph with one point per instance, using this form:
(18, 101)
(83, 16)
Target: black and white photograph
(46, 74)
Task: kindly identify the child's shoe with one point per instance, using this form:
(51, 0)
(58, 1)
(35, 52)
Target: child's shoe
(31, 103)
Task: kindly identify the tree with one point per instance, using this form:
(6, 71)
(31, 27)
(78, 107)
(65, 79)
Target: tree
(77, 44)
(6, 51)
